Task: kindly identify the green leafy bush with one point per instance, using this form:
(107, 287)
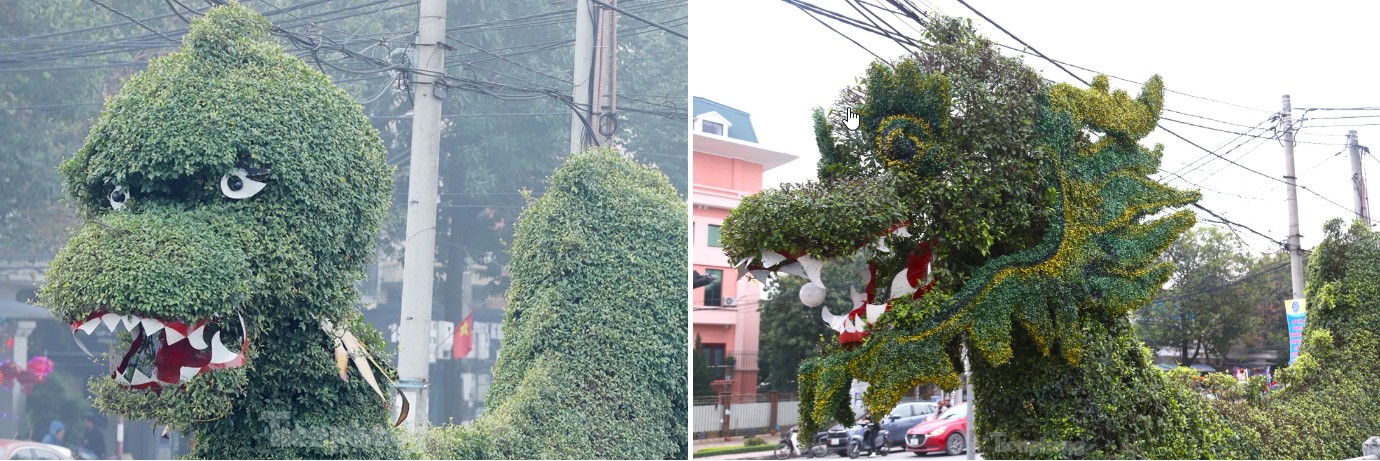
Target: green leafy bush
(285, 259)
(594, 337)
(1041, 308)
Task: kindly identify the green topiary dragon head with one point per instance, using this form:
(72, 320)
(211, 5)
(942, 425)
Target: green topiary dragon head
(231, 195)
(984, 200)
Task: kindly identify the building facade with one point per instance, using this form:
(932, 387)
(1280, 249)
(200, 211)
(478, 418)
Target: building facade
(728, 165)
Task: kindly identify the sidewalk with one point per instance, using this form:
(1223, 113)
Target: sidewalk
(735, 441)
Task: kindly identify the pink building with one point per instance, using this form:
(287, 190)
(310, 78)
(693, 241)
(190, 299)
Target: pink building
(728, 165)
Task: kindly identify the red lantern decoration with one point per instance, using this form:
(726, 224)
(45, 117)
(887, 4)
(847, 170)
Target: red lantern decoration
(41, 365)
(9, 370)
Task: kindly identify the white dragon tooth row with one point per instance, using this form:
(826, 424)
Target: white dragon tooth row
(197, 337)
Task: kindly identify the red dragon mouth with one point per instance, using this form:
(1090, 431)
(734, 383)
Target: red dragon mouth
(166, 353)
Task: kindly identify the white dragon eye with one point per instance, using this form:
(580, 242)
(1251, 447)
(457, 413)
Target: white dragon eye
(237, 185)
(118, 197)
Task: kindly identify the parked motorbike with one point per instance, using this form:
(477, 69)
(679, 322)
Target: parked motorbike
(790, 446)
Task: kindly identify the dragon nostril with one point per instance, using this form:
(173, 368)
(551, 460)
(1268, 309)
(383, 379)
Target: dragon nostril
(117, 196)
(236, 183)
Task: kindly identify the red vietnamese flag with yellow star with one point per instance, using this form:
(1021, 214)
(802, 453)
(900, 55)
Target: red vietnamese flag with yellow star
(464, 338)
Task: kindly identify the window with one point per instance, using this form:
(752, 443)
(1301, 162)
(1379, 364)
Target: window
(715, 358)
(714, 292)
(713, 238)
(712, 127)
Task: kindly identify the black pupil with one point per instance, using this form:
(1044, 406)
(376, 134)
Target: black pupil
(236, 183)
(117, 197)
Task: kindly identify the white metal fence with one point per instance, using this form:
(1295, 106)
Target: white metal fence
(743, 418)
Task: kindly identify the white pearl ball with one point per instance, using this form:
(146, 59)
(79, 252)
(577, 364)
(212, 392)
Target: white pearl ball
(812, 295)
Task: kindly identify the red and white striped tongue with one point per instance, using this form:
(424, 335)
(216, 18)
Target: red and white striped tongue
(179, 352)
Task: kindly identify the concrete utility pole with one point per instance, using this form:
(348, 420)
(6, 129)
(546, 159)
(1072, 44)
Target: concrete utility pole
(605, 98)
(414, 339)
(1295, 248)
(1358, 179)
(584, 62)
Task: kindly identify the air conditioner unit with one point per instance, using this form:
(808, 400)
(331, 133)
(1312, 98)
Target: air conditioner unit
(730, 301)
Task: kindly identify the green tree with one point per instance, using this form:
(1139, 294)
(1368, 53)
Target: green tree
(594, 335)
(47, 110)
(1265, 287)
(703, 379)
(791, 332)
(1204, 313)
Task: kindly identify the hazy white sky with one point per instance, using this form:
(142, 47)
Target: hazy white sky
(772, 60)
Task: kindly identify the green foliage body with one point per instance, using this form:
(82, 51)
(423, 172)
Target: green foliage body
(1042, 308)
(285, 259)
(594, 337)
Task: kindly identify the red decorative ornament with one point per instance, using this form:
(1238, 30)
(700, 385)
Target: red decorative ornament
(40, 366)
(9, 371)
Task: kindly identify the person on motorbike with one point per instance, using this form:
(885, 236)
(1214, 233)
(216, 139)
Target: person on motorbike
(869, 430)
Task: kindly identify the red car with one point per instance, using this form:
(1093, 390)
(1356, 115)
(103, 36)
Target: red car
(944, 434)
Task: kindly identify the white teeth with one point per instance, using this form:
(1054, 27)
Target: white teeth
(812, 268)
(900, 286)
(130, 321)
(151, 326)
(189, 372)
(760, 275)
(771, 258)
(198, 338)
(172, 336)
(835, 321)
(120, 378)
(874, 312)
(881, 245)
(793, 269)
(902, 232)
(858, 298)
(140, 378)
(90, 326)
(110, 321)
(219, 353)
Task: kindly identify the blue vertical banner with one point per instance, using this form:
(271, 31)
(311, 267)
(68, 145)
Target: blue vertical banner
(1295, 312)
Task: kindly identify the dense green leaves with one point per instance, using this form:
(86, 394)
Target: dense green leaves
(823, 219)
(285, 259)
(594, 345)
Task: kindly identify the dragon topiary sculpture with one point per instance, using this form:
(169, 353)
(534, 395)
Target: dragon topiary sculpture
(231, 195)
(1016, 220)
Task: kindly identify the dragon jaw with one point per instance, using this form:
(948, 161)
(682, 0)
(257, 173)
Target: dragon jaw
(172, 352)
(912, 281)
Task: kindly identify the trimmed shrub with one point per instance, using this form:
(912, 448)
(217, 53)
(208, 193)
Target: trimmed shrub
(285, 259)
(594, 337)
